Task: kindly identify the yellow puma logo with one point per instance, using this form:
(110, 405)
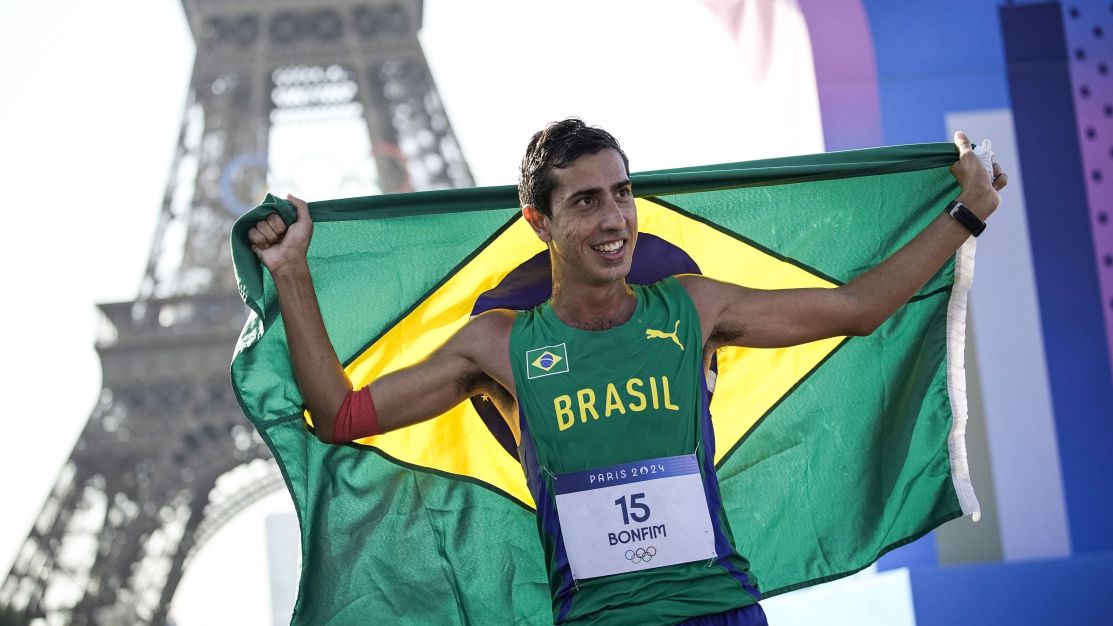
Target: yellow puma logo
(660, 334)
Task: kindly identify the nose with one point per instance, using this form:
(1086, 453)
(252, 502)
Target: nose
(613, 217)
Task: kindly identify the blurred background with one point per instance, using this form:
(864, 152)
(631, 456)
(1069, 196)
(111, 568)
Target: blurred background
(134, 133)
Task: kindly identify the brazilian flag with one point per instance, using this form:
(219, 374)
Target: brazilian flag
(829, 454)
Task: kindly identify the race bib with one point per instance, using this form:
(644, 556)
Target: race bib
(634, 516)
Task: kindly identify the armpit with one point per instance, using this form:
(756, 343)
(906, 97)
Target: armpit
(485, 386)
(725, 334)
(479, 384)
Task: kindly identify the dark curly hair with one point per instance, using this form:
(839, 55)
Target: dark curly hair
(559, 144)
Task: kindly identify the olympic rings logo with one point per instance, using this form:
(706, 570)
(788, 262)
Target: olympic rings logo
(641, 555)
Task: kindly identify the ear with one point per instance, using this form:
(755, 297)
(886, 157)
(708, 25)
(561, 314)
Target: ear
(538, 221)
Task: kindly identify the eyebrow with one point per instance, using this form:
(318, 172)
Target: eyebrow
(591, 191)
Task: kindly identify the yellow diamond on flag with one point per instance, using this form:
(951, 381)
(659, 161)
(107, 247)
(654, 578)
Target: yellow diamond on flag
(546, 361)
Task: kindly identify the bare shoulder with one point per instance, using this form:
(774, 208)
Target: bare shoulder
(699, 287)
(708, 294)
(712, 297)
(490, 326)
(479, 337)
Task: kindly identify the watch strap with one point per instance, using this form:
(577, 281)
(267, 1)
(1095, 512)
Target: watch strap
(965, 216)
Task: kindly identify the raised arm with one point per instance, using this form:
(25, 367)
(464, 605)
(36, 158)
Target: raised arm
(734, 315)
(427, 389)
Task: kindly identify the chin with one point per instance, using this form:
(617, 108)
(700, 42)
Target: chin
(614, 273)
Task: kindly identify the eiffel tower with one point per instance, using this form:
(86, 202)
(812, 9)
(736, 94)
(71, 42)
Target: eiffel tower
(167, 457)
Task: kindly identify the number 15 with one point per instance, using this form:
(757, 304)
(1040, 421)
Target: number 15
(635, 506)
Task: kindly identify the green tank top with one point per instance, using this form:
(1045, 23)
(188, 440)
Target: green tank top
(594, 399)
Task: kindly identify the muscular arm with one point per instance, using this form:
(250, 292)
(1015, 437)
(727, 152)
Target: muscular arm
(459, 369)
(427, 389)
(734, 315)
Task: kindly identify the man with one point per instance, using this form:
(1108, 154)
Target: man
(662, 552)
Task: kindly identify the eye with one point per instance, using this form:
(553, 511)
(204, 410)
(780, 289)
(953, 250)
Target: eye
(625, 192)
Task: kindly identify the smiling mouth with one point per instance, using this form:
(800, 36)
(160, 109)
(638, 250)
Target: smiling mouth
(610, 248)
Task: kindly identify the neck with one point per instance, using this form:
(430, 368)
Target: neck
(592, 307)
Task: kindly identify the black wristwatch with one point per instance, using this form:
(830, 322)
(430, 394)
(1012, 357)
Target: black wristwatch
(965, 216)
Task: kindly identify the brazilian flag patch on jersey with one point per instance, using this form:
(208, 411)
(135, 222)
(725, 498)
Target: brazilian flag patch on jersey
(546, 361)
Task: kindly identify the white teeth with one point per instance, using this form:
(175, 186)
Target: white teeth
(609, 247)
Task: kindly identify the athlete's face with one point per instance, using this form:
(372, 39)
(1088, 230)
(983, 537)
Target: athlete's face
(594, 223)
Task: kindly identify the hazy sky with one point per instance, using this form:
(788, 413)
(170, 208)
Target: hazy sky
(93, 97)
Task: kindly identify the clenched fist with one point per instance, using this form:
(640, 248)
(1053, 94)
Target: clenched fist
(979, 190)
(279, 246)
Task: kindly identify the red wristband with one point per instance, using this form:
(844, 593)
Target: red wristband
(356, 418)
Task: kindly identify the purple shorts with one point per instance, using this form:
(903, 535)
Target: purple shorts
(746, 616)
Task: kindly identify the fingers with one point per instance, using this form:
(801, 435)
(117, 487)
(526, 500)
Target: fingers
(271, 228)
(272, 232)
(275, 223)
(1000, 178)
(963, 143)
(266, 232)
(258, 240)
(267, 229)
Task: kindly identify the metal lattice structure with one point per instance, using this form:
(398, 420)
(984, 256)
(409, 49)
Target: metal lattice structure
(167, 457)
